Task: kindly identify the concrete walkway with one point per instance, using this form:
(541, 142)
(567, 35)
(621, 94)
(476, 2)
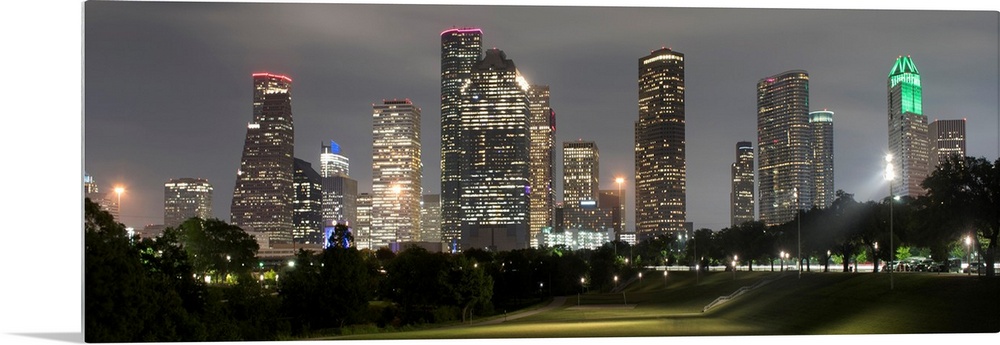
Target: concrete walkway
(556, 302)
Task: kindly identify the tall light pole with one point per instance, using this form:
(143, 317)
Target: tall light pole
(889, 176)
(798, 240)
(621, 207)
(119, 190)
(968, 253)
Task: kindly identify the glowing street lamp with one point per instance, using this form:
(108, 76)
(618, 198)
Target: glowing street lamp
(798, 221)
(664, 278)
(621, 206)
(890, 175)
(968, 251)
(119, 190)
(781, 256)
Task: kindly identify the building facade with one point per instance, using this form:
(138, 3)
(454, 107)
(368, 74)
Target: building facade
(821, 123)
(307, 214)
(741, 199)
(495, 153)
(947, 139)
(363, 229)
(184, 198)
(908, 140)
(581, 178)
(396, 172)
(430, 219)
(543, 139)
(340, 191)
(263, 194)
(784, 140)
(461, 49)
(660, 162)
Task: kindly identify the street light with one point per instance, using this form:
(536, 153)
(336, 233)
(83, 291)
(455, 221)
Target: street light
(781, 256)
(968, 253)
(616, 281)
(664, 278)
(119, 190)
(889, 176)
(621, 206)
(640, 278)
(798, 222)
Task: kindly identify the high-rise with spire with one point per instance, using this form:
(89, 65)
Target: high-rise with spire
(908, 140)
(460, 50)
(543, 136)
(263, 194)
(784, 160)
(660, 163)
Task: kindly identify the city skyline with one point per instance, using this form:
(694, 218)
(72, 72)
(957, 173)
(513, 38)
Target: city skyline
(588, 108)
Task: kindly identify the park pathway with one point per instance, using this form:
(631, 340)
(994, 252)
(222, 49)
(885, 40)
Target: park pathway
(556, 302)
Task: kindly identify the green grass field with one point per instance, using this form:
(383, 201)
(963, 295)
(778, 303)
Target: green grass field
(818, 303)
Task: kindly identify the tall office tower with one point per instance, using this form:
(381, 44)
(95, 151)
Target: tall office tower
(184, 198)
(307, 215)
(947, 138)
(908, 141)
(263, 195)
(396, 172)
(460, 50)
(558, 217)
(340, 192)
(495, 154)
(581, 176)
(824, 191)
(741, 198)
(784, 161)
(430, 218)
(331, 162)
(610, 202)
(89, 186)
(363, 227)
(107, 201)
(660, 165)
(543, 143)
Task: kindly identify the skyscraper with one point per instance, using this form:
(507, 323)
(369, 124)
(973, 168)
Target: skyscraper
(263, 194)
(908, 141)
(543, 137)
(742, 197)
(184, 198)
(340, 192)
(363, 228)
(430, 218)
(784, 162)
(581, 178)
(821, 123)
(660, 165)
(460, 50)
(396, 172)
(947, 138)
(495, 154)
(307, 214)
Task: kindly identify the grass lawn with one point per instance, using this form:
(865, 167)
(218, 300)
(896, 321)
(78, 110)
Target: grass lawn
(818, 303)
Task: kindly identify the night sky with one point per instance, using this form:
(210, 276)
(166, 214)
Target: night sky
(167, 86)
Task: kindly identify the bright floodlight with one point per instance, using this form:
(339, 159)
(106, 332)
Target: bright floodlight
(890, 174)
(397, 188)
(119, 190)
(620, 180)
(968, 240)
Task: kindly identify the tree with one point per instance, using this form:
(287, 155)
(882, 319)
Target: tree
(470, 286)
(327, 290)
(217, 248)
(967, 190)
(125, 300)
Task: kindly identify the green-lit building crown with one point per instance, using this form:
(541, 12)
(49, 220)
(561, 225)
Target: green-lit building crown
(904, 75)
